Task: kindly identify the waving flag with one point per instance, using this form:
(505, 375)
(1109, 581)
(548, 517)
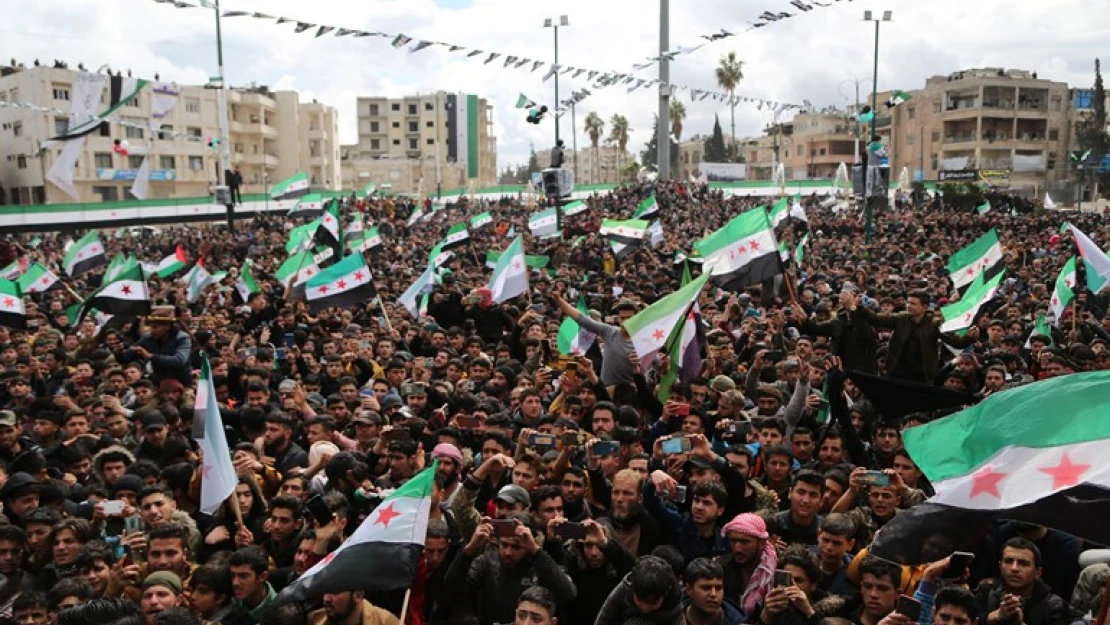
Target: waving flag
(346, 283)
(457, 236)
(126, 296)
(245, 285)
(510, 276)
(84, 255)
(647, 208)
(962, 313)
(217, 478)
(628, 231)
(12, 314)
(543, 223)
(37, 279)
(172, 264)
(742, 253)
(573, 339)
(423, 285)
(1063, 293)
(982, 256)
(650, 328)
(478, 221)
(290, 188)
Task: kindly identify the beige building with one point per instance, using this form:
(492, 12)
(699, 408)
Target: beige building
(603, 166)
(453, 130)
(272, 136)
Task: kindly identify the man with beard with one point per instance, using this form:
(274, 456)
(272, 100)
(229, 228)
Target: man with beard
(448, 471)
(279, 445)
(596, 564)
(402, 464)
(161, 591)
(165, 347)
(350, 608)
(749, 569)
(635, 529)
(573, 487)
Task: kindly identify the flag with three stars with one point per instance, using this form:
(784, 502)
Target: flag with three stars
(218, 478)
(126, 296)
(346, 283)
(742, 253)
(84, 255)
(1035, 453)
(12, 314)
(983, 256)
(382, 554)
(650, 328)
(626, 232)
(37, 279)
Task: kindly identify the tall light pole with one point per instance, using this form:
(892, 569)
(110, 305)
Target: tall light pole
(663, 123)
(552, 24)
(868, 16)
(857, 82)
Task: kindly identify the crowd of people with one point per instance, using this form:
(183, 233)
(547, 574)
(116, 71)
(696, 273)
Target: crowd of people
(566, 489)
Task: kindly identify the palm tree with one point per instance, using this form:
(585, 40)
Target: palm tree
(730, 72)
(678, 114)
(595, 126)
(618, 131)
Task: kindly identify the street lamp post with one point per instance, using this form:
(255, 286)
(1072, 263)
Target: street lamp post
(856, 82)
(225, 136)
(552, 24)
(869, 206)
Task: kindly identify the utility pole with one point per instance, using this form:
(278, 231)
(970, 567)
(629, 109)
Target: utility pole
(663, 124)
(869, 206)
(439, 149)
(225, 139)
(554, 24)
(574, 139)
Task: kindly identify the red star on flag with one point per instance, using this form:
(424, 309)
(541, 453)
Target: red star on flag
(341, 284)
(971, 271)
(45, 280)
(743, 248)
(358, 275)
(328, 558)
(323, 289)
(516, 265)
(755, 246)
(985, 481)
(658, 334)
(1065, 474)
(31, 289)
(9, 302)
(386, 514)
(126, 289)
(327, 219)
(80, 254)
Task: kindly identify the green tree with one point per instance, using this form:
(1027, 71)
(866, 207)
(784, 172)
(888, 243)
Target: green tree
(533, 160)
(678, 115)
(618, 131)
(730, 71)
(715, 150)
(595, 127)
(649, 154)
(1092, 133)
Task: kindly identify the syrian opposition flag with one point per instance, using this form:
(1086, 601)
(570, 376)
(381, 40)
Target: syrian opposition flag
(647, 208)
(573, 339)
(217, 478)
(655, 233)
(309, 205)
(1063, 293)
(290, 188)
(686, 344)
(1036, 453)
(543, 223)
(411, 298)
(297, 269)
(651, 327)
(628, 231)
(573, 208)
(345, 283)
(12, 314)
(127, 296)
(172, 264)
(199, 279)
(365, 240)
(301, 237)
(742, 253)
(983, 208)
(119, 264)
(961, 314)
(245, 284)
(1040, 328)
(1095, 261)
(121, 91)
(37, 279)
(510, 276)
(779, 212)
(800, 250)
(438, 256)
(478, 221)
(457, 236)
(329, 232)
(415, 216)
(84, 255)
(898, 98)
(982, 256)
(15, 270)
(382, 554)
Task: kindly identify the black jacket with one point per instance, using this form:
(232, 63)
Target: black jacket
(494, 588)
(1041, 607)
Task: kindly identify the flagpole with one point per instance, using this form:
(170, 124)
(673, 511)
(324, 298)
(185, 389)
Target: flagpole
(385, 315)
(405, 605)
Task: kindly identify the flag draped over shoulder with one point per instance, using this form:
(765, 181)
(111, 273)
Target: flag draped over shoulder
(742, 253)
(1024, 454)
(218, 479)
(383, 552)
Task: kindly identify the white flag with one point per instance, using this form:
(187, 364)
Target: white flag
(141, 187)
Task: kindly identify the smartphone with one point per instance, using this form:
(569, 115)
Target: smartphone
(957, 566)
(909, 608)
(682, 410)
(290, 342)
(467, 422)
(680, 495)
(541, 440)
(113, 507)
(503, 528)
(318, 509)
(570, 531)
(572, 367)
(138, 556)
(673, 446)
(399, 434)
(572, 438)
(740, 429)
(822, 404)
(606, 448)
(133, 524)
(783, 579)
(875, 478)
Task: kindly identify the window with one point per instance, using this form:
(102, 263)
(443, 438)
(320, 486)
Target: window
(61, 93)
(104, 130)
(396, 142)
(374, 127)
(21, 162)
(192, 132)
(17, 129)
(167, 162)
(374, 109)
(412, 144)
(192, 105)
(134, 161)
(1053, 134)
(396, 106)
(412, 109)
(61, 124)
(107, 194)
(165, 132)
(133, 133)
(936, 136)
(431, 141)
(134, 102)
(936, 109)
(414, 126)
(375, 144)
(429, 124)
(103, 160)
(1051, 163)
(911, 112)
(909, 139)
(196, 163)
(396, 124)
(822, 151)
(14, 94)
(428, 106)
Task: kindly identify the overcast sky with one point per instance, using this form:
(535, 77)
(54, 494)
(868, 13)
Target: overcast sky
(805, 57)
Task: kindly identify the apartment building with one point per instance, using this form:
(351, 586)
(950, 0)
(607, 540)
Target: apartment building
(271, 135)
(445, 127)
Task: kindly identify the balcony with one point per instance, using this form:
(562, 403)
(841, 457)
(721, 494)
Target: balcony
(268, 161)
(267, 131)
(315, 133)
(316, 161)
(259, 99)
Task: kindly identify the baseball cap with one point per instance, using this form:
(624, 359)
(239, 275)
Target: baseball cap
(514, 494)
(722, 383)
(8, 419)
(152, 421)
(367, 417)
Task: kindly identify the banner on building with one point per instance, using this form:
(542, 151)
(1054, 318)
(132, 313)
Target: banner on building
(992, 177)
(724, 172)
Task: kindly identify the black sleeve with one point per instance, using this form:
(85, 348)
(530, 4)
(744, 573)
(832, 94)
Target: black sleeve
(842, 416)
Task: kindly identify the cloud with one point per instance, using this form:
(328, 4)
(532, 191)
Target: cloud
(805, 57)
